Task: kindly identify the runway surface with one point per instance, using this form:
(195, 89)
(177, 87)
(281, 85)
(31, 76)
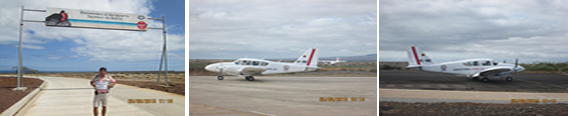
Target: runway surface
(282, 96)
(522, 82)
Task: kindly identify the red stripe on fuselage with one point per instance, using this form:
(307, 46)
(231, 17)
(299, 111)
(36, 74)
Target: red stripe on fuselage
(311, 56)
(415, 56)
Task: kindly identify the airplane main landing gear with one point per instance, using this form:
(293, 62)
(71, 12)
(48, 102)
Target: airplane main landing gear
(250, 78)
(509, 79)
(220, 77)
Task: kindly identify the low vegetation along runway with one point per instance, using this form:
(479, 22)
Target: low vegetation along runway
(282, 95)
(522, 82)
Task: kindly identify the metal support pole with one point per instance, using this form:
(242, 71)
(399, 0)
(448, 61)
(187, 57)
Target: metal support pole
(165, 46)
(160, 69)
(20, 79)
(20, 84)
(164, 58)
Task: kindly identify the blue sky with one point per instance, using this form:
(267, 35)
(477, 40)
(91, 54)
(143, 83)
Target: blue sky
(80, 49)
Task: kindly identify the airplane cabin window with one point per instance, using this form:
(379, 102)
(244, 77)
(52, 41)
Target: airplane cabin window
(246, 62)
(255, 63)
(495, 63)
(303, 61)
(487, 63)
(475, 63)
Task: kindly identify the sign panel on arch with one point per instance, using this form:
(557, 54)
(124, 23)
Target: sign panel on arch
(95, 19)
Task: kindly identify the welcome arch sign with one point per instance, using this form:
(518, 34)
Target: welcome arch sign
(62, 17)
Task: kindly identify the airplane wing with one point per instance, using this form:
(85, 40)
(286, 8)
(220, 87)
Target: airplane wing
(249, 71)
(492, 71)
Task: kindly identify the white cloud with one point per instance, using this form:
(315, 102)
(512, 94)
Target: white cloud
(281, 29)
(35, 47)
(502, 30)
(95, 44)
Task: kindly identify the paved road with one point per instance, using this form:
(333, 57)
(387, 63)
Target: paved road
(73, 97)
(282, 96)
(522, 82)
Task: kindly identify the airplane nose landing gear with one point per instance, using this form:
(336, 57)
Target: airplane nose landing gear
(220, 77)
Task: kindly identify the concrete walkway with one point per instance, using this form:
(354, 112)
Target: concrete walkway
(409, 95)
(74, 97)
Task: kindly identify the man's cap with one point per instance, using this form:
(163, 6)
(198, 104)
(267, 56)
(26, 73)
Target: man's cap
(103, 68)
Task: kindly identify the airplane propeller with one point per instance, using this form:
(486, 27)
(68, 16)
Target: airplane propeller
(516, 64)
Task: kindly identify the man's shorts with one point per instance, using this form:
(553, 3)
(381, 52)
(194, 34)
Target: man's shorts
(100, 98)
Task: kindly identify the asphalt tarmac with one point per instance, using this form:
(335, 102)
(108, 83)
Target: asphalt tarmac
(522, 82)
(282, 96)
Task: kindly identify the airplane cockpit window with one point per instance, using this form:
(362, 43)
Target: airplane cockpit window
(475, 63)
(263, 63)
(467, 64)
(303, 61)
(487, 63)
(255, 63)
(246, 62)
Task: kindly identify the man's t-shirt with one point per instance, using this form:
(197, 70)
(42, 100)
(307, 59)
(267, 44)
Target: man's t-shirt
(102, 83)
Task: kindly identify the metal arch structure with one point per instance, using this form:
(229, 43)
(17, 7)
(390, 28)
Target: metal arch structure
(20, 86)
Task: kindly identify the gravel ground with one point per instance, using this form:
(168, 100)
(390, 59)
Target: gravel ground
(477, 109)
(9, 97)
(174, 87)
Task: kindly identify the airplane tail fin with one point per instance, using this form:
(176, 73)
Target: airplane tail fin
(416, 57)
(309, 58)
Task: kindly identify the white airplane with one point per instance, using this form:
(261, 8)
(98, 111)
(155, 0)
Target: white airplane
(333, 62)
(249, 67)
(473, 68)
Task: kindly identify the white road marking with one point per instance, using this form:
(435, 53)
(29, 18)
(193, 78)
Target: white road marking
(263, 113)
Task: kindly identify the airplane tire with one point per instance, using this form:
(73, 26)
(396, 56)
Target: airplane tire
(220, 77)
(509, 79)
(485, 80)
(250, 78)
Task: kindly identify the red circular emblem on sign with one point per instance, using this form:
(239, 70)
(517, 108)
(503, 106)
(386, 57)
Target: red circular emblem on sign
(141, 25)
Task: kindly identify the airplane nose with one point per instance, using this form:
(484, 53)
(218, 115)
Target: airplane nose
(211, 68)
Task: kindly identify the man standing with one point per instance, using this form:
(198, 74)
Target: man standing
(102, 84)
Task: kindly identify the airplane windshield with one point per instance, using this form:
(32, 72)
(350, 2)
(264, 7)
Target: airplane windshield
(263, 63)
(237, 62)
